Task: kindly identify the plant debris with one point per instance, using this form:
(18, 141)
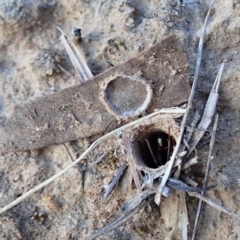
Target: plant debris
(155, 146)
(96, 106)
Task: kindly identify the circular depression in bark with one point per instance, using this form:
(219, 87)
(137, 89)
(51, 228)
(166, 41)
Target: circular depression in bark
(127, 96)
(153, 148)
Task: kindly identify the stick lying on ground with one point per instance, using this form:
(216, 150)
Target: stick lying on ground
(208, 112)
(215, 205)
(92, 146)
(177, 147)
(206, 177)
(131, 207)
(76, 58)
(128, 210)
(115, 181)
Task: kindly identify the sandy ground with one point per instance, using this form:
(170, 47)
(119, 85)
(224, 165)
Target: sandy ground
(34, 63)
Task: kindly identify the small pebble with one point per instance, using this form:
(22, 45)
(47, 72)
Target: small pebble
(170, 24)
(17, 178)
(166, 63)
(174, 72)
(107, 180)
(130, 22)
(57, 59)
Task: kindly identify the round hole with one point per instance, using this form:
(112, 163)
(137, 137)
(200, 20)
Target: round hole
(126, 96)
(154, 148)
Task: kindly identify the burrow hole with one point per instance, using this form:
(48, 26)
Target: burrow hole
(154, 148)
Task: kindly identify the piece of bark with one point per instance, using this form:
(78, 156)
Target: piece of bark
(82, 110)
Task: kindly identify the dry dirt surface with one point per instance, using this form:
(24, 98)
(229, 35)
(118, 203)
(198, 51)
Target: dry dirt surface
(34, 63)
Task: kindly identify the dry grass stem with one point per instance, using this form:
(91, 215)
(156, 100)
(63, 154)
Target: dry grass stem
(97, 8)
(206, 177)
(179, 140)
(128, 210)
(161, 170)
(179, 185)
(76, 58)
(208, 112)
(119, 221)
(194, 122)
(64, 70)
(215, 205)
(175, 111)
(188, 180)
(189, 163)
(115, 181)
(183, 216)
(136, 177)
(100, 158)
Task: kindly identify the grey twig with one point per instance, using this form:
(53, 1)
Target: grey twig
(194, 122)
(85, 153)
(97, 8)
(119, 221)
(100, 158)
(208, 112)
(151, 151)
(128, 210)
(215, 205)
(135, 176)
(179, 185)
(115, 180)
(64, 70)
(188, 180)
(206, 177)
(190, 100)
(76, 58)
